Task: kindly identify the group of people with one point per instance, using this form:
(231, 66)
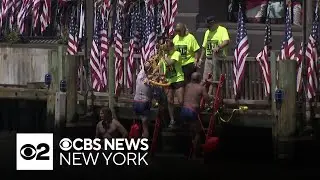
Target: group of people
(180, 66)
(257, 10)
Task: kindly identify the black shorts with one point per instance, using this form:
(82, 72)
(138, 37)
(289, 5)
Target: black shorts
(187, 71)
(176, 85)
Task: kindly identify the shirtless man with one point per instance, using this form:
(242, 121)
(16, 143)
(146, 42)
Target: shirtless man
(142, 99)
(108, 127)
(194, 92)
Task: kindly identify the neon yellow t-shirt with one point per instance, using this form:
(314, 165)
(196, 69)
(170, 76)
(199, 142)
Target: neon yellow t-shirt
(173, 72)
(214, 38)
(187, 46)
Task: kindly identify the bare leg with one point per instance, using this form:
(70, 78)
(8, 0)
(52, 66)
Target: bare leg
(180, 94)
(195, 137)
(170, 97)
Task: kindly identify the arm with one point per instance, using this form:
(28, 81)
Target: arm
(225, 39)
(168, 60)
(97, 131)
(204, 45)
(121, 129)
(205, 94)
(196, 48)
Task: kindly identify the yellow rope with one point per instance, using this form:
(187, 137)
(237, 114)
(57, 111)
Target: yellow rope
(240, 109)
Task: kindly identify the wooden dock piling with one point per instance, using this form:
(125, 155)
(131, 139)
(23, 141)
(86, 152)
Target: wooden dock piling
(285, 125)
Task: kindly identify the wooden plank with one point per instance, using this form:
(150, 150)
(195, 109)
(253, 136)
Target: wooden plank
(226, 85)
(23, 93)
(250, 81)
(260, 85)
(36, 85)
(246, 102)
(273, 72)
(71, 72)
(253, 85)
(286, 123)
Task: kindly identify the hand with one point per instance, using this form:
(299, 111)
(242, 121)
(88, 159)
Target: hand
(215, 50)
(198, 63)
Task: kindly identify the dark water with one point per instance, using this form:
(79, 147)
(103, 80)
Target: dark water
(244, 152)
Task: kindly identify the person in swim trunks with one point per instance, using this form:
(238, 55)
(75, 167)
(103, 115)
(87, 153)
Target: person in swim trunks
(108, 127)
(143, 98)
(194, 92)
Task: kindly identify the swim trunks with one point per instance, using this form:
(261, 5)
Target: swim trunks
(188, 114)
(142, 108)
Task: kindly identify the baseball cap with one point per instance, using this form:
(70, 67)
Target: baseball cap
(210, 19)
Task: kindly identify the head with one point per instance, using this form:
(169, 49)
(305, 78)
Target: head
(196, 77)
(169, 45)
(211, 23)
(181, 29)
(106, 114)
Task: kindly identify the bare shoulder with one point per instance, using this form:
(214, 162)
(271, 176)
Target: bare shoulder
(99, 125)
(116, 122)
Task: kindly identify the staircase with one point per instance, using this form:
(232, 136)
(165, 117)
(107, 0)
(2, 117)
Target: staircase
(193, 13)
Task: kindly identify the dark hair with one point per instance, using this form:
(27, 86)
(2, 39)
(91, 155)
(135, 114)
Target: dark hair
(169, 43)
(107, 113)
(107, 119)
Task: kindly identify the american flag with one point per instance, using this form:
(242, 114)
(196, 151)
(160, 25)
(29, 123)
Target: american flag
(134, 43)
(14, 12)
(45, 17)
(240, 53)
(6, 6)
(95, 64)
(23, 14)
(104, 52)
(36, 12)
(106, 7)
(149, 35)
(119, 51)
(311, 58)
(263, 57)
(73, 41)
(165, 15)
(299, 68)
(174, 12)
(287, 47)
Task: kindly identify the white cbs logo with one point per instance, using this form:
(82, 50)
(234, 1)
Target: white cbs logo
(34, 151)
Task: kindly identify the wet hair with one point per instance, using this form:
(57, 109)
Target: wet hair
(196, 77)
(107, 117)
(107, 113)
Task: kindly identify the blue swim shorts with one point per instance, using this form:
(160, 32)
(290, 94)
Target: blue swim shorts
(142, 108)
(188, 114)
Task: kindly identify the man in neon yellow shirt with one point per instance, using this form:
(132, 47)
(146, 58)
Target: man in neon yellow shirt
(171, 66)
(187, 45)
(215, 41)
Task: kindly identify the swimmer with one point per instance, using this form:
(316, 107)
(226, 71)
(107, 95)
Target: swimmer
(194, 92)
(108, 127)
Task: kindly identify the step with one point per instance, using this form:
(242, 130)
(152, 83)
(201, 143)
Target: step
(190, 19)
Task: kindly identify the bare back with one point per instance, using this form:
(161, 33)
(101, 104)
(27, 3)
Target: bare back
(193, 94)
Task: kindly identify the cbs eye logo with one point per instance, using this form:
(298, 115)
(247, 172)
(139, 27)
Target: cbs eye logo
(29, 152)
(65, 144)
